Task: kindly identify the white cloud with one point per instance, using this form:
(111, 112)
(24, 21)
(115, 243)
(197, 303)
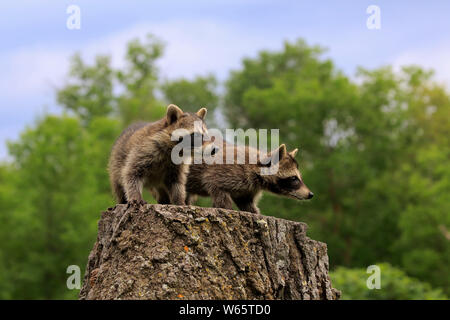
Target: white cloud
(192, 47)
(31, 71)
(436, 58)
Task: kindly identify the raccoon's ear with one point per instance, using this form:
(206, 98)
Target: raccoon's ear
(282, 152)
(202, 113)
(173, 113)
(293, 153)
(276, 155)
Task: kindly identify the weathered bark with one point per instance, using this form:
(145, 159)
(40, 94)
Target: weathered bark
(185, 252)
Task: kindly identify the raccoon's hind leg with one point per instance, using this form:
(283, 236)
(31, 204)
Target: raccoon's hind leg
(161, 196)
(221, 200)
(190, 199)
(246, 204)
(119, 193)
(177, 194)
(175, 183)
(137, 166)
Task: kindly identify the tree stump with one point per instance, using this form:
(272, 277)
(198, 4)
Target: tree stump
(187, 252)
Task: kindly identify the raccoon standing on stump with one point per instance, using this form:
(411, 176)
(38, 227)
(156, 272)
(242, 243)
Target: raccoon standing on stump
(244, 183)
(141, 157)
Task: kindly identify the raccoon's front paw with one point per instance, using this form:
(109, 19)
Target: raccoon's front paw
(138, 203)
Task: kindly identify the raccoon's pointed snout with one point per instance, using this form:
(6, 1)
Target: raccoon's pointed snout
(310, 195)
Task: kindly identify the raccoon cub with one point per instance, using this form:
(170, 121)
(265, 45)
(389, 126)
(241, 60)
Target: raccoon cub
(244, 183)
(141, 157)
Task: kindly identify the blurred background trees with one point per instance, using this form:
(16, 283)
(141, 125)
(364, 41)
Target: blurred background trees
(396, 285)
(373, 148)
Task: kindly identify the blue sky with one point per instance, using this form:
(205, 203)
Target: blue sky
(202, 37)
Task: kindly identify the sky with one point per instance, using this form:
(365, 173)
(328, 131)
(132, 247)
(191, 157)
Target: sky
(203, 37)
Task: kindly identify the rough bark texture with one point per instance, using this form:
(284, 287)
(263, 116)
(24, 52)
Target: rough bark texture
(186, 252)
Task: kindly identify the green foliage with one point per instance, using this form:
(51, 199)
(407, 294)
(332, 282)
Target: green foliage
(89, 93)
(139, 82)
(374, 152)
(9, 208)
(394, 285)
(192, 95)
(60, 189)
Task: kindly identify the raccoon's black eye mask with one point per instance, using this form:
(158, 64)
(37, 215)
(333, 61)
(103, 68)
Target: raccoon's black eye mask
(290, 183)
(283, 185)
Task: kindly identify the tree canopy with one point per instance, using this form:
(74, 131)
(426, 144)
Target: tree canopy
(374, 149)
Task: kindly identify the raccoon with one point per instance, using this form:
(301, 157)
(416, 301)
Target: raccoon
(141, 157)
(244, 183)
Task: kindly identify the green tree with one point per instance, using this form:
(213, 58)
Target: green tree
(89, 91)
(362, 148)
(395, 285)
(413, 182)
(139, 81)
(191, 95)
(61, 196)
(10, 207)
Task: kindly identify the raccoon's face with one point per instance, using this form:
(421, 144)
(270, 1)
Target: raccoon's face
(287, 180)
(189, 129)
